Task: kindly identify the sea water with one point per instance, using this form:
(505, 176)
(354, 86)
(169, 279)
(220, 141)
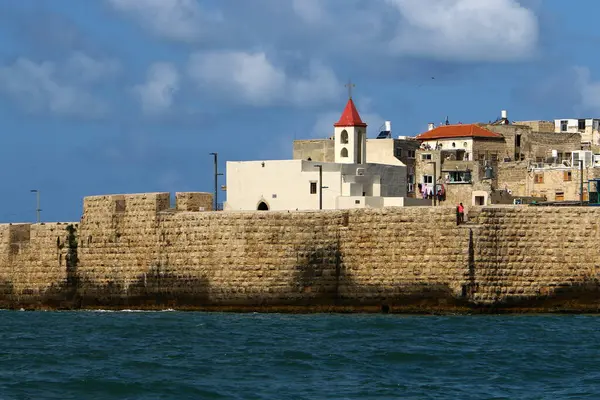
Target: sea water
(177, 355)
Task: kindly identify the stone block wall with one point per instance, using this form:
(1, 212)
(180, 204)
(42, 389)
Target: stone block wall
(33, 262)
(534, 257)
(321, 150)
(135, 251)
(194, 201)
(513, 176)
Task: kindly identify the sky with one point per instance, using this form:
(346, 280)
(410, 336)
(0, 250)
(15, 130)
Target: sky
(131, 96)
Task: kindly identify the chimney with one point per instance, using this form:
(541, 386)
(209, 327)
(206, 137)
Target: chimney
(504, 114)
(388, 126)
(430, 126)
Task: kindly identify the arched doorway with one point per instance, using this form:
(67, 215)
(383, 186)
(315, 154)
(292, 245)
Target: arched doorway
(262, 206)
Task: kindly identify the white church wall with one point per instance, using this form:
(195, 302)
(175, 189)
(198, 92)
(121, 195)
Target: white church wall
(281, 184)
(352, 202)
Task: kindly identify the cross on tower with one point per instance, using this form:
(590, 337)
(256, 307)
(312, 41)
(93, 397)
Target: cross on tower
(350, 85)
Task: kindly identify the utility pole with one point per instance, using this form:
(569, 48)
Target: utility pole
(580, 181)
(434, 182)
(320, 185)
(37, 209)
(217, 174)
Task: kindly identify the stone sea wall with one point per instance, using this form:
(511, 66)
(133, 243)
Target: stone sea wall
(137, 251)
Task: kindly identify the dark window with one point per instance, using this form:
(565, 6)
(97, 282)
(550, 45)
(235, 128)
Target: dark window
(563, 125)
(568, 176)
(581, 124)
(426, 156)
(517, 140)
(411, 154)
(313, 188)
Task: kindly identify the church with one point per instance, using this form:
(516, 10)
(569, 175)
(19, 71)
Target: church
(351, 181)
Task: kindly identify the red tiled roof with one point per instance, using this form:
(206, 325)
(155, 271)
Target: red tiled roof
(455, 131)
(350, 116)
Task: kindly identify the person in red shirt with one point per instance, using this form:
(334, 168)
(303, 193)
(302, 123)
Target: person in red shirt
(461, 213)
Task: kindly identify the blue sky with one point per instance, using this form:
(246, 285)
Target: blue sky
(121, 96)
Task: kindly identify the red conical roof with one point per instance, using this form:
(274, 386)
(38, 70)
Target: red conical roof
(350, 116)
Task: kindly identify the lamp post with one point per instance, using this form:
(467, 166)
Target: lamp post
(37, 209)
(580, 181)
(320, 185)
(434, 182)
(217, 174)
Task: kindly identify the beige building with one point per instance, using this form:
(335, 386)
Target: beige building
(460, 159)
(588, 128)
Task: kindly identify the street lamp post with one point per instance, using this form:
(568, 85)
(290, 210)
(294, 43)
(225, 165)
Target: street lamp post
(217, 174)
(434, 182)
(580, 181)
(320, 185)
(37, 209)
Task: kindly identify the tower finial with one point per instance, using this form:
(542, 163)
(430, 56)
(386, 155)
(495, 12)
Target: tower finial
(350, 85)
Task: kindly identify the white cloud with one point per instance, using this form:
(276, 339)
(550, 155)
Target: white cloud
(87, 69)
(588, 89)
(181, 20)
(156, 94)
(58, 88)
(465, 30)
(252, 78)
(309, 10)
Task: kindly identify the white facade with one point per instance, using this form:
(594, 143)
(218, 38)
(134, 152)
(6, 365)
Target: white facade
(350, 144)
(465, 144)
(294, 185)
(588, 128)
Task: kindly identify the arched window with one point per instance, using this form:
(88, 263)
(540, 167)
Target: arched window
(344, 152)
(262, 206)
(344, 137)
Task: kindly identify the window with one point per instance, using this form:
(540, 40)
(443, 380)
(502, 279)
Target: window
(313, 188)
(563, 125)
(411, 153)
(344, 152)
(459, 177)
(344, 137)
(356, 201)
(538, 178)
(426, 156)
(581, 124)
(397, 152)
(427, 179)
(411, 188)
(453, 144)
(567, 176)
(559, 196)
(411, 179)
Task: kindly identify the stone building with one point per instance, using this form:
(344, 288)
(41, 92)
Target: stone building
(457, 158)
(589, 128)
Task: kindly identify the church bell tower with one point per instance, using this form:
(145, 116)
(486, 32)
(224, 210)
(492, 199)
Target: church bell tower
(350, 134)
